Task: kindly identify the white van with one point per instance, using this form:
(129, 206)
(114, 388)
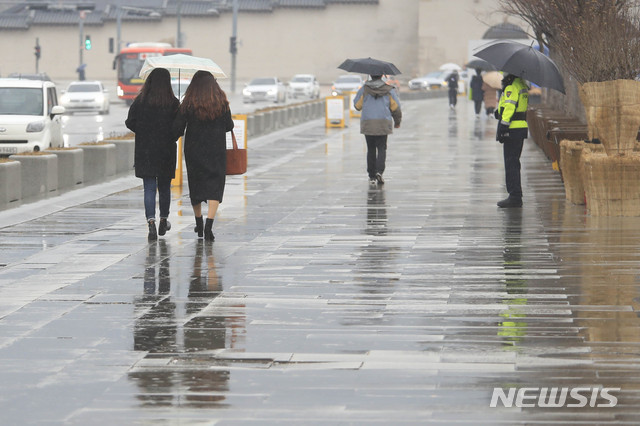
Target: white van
(30, 117)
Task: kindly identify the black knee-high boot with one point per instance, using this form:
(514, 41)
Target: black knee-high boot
(198, 228)
(208, 233)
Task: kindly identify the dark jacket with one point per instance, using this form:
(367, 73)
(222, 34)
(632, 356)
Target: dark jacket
(477, 94)
(205, 153)
(155, 146)
(380, 108)
(452, 82)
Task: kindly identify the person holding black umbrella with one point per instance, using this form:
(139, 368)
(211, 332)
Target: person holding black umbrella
(381, 113)
(380, 108)
(512, 131)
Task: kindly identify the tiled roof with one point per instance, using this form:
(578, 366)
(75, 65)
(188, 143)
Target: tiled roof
(48, 17)
(192, 8)
(303, 3)
(19, 17)
(14, 22)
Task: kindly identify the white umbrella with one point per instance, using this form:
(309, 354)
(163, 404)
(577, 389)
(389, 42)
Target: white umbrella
(181, 66)
(450, 66)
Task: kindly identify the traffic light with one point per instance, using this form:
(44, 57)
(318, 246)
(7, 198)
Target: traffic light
(87, 42)
(37, 51)
(233, 47)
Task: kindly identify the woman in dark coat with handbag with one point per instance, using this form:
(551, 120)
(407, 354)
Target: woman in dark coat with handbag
(151, 116)
(206, 116)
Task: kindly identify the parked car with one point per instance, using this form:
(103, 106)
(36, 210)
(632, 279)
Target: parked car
(304, 85)
(85, 96)
(432, 80)
(346, 83)
(29, 116)
(265, 89)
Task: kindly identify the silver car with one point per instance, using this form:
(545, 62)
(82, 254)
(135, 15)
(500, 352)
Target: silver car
(346, 83)
(85, 96)
(304, 85)
(433, 80)
(265, 89)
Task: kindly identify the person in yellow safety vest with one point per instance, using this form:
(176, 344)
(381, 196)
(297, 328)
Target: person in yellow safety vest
(512, 131)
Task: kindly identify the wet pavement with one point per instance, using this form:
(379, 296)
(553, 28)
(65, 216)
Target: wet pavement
(324, 300)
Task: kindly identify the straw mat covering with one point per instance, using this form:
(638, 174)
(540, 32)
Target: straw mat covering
(570, 152)
(612, 184)
(613, 113)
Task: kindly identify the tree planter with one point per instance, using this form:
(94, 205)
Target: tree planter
(99, 161)
(124, 154)
(10, 182)
(612, 184)
(70, 166)
(570, 152)
(613, 113)
(39, 173)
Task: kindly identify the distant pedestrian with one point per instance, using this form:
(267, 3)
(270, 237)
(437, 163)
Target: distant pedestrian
(512, 131)
(81, 72)
(381, 112)
(206, 115)
(150, 117)
(490, 98)
(452, 84)
(477, 94)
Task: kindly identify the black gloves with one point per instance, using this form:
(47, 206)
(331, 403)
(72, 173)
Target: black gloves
(496, 114)
(502, 133)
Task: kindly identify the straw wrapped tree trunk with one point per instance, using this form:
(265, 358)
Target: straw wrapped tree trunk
(599, 43)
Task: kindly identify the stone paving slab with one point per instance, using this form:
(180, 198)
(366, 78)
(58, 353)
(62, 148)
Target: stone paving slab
(324, 300)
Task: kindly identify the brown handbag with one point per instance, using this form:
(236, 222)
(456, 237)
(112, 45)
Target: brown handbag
(236, 158)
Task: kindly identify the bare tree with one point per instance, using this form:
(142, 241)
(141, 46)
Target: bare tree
(598, 40)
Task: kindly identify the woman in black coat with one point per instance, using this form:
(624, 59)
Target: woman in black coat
(477, 94)
(151, 116)
(206, 115)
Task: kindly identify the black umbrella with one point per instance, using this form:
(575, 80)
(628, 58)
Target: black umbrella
(369, 66)
(523, 61)
(480, 64)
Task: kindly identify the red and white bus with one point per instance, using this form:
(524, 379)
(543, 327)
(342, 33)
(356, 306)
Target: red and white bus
(129, 62)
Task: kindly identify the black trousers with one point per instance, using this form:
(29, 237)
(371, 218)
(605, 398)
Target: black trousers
(512, 149)
(376, 154)
(477, 104)
(453, 97)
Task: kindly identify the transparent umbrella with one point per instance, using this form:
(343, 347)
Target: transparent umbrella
(181, 66)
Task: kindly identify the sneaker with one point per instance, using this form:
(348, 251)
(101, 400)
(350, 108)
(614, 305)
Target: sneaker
(164, 226)
(373, 181)
(153, 235)
(379, 178)
(510, 202)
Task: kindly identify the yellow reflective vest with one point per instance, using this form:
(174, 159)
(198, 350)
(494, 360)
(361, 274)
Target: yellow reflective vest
(513, 105)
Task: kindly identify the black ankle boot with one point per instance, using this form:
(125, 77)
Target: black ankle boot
(198, 228)
(164, 226)
(208, 233)
(153, 235)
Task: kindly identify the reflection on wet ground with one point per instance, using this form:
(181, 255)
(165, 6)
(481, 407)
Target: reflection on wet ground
(324, 300)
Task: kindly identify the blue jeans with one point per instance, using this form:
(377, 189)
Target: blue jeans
(163, 186)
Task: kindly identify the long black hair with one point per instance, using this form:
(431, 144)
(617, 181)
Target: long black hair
(157, 89)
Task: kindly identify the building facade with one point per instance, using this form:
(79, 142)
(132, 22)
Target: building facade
(275, 37)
